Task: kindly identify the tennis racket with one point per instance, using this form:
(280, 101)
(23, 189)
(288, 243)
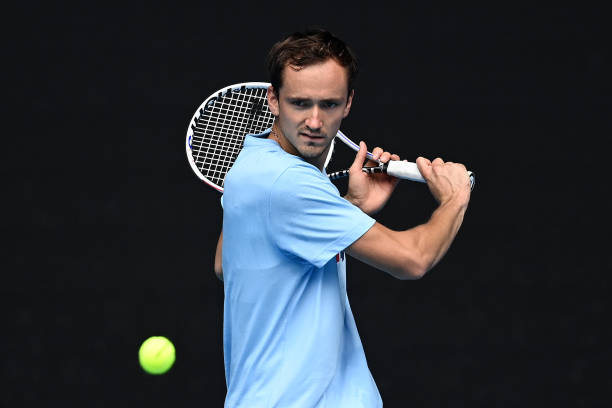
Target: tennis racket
(216, 133)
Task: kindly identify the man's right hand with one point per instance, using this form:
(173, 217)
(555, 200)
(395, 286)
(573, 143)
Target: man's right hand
(446, 180)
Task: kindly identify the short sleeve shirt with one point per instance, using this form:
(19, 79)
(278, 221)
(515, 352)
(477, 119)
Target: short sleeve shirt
(290, 339)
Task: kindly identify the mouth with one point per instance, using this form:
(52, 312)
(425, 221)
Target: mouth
(312, 137)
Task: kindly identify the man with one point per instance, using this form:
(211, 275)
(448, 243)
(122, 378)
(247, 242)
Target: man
(290, 338)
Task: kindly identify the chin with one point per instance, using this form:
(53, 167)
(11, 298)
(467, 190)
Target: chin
(312, 152)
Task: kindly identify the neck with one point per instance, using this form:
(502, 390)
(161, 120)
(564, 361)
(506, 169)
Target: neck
(277, 134)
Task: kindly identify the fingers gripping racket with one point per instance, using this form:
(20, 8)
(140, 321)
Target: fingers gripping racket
(217, 130)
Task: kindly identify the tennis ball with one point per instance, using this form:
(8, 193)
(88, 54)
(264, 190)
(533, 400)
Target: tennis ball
(156, 355)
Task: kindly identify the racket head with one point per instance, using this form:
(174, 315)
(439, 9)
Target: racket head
(216, 131)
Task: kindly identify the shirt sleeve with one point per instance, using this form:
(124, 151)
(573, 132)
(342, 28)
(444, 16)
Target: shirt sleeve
(308, 219)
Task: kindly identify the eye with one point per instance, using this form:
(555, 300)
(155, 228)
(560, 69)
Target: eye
(330, 104)
(300, 103)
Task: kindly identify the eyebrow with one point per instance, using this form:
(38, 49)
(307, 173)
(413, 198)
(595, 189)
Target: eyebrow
(300, 98)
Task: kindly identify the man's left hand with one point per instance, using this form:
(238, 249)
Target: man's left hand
(370, 192)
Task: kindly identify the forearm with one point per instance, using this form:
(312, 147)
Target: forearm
(411, 253)
(433, 239)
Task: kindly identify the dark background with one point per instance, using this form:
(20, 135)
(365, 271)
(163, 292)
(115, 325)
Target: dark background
(110, 238)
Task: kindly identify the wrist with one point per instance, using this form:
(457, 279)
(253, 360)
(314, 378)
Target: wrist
(351, 200)
(459, 202)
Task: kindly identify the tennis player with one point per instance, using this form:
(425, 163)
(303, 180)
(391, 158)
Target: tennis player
(290, 338)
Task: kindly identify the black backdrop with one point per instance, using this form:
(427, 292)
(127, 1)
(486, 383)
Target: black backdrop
(111, 237)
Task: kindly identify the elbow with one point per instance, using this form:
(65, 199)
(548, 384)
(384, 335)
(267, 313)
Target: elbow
(413, 266)
(408, 271)
(417, 274)
(411, 273)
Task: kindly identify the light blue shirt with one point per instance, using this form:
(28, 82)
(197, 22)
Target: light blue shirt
(289, 335)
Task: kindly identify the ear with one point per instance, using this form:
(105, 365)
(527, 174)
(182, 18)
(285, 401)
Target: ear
(349, 102)
(273, 101)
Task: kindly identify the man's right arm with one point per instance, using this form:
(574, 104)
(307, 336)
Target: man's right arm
(411, 253)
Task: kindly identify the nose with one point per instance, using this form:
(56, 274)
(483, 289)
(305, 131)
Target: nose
(314, 121)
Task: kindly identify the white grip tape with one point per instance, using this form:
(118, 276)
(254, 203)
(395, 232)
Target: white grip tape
(404, 170)
(410, 171)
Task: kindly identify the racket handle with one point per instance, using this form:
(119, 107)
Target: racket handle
(400, 169)
(404, 170)
(410, 171)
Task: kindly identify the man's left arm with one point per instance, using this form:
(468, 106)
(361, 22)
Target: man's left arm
(219, 258)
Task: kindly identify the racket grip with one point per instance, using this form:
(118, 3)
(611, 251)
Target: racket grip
(404, 170)
(410, 171)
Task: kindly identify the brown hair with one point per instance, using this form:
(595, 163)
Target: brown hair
(308, 48)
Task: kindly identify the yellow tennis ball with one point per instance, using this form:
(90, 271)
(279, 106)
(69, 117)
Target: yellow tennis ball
(156, 355)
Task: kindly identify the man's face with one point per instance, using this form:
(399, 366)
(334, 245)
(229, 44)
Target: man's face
(310, 107)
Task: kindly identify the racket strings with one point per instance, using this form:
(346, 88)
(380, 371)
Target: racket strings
(219, 131)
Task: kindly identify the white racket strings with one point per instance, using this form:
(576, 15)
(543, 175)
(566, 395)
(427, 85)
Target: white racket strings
(219, 131)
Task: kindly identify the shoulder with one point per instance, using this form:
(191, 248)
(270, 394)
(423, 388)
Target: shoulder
(303, 189)
(301, 179)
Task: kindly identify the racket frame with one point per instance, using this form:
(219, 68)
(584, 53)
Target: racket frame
(207, 101)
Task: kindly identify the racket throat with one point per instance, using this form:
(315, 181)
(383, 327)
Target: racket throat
(382, 168)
